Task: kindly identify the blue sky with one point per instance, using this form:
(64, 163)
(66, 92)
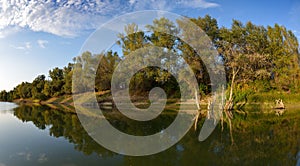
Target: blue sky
(38, 35)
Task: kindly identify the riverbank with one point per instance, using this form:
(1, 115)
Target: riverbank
(254, 102)
(267, 100)
(67, 100)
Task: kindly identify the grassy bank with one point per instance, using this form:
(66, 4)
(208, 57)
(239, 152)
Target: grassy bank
(66, 99)
(260, 101)
(270, 97)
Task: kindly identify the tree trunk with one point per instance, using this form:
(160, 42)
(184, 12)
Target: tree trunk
(199, 108)
(229, 103)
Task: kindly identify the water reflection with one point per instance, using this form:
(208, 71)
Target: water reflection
(61, 124)
(279, 112)
(5, 107)
(298, 158)
(259, 139)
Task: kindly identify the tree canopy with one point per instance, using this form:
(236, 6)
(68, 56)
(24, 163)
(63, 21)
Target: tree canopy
(256, 59)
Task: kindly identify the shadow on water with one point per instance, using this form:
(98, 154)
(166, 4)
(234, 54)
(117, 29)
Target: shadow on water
(260, 138)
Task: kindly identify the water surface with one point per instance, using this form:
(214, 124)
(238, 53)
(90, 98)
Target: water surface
(41, 135)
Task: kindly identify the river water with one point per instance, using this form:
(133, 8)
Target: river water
(42, 135)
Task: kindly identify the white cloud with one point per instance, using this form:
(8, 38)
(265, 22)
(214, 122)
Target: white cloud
(17, 47)
(63, 19)
(24, 46)
(69, 17)
(132, 2)
(170, 5)
(42, 43)
(27, 45)
(8, 31)
(198, 4)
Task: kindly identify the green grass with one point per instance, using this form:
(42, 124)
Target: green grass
(270, 97)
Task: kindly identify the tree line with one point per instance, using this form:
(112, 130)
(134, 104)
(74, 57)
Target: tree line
(59, 83)
(256, 59)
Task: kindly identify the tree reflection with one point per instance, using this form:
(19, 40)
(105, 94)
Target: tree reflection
(260, 139)
(61, 124)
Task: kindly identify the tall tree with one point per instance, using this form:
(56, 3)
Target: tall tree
(38, 87)
(57, 81)
(3, 96)
(132, 40)
(105, 70)
(285, 57)
(243, 60)
(68, 74)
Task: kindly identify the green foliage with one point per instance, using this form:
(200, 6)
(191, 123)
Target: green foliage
(68, 74)
(257, 59)
(57, 81)
(203, 89)
(105, 70)
(3, 95)
(24, 90)
(241, 94)
(260, 86)
(37, 87)
(271, 96)
(209, 25)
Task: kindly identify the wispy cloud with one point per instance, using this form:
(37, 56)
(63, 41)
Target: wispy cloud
(132, 2)
(25, 46)
(64, 18)
(42, 43)
(198, 4)
(170, 5)
(69, 18)
(8, 31)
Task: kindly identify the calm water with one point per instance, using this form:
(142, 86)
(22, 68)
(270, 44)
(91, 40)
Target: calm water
(40, 135)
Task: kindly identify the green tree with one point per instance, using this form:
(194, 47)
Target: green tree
(38, 87)
(47, 91)
(132, 40)
(68, 74)
(23, 90)
(283, 46)
(244, 61)
(3, 95)
(197, 53)
(84, 71)
(105, 70)
(209, 25)
(57, 81)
